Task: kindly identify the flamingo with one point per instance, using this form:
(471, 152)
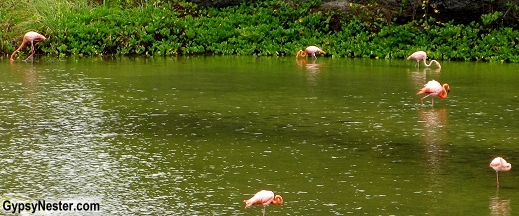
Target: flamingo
(435, 89)
(264, 197)
(500, 164)
(29, 37)
(421, 55)
(311, 50)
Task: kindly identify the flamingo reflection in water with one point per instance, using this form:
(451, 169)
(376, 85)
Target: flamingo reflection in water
(434, 147)
(30, 78)
(499, 206)
(422, 73)
(434, 125)
(419, 76)
(311, 68)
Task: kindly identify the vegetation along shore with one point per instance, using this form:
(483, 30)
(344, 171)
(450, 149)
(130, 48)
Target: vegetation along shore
(264, 28)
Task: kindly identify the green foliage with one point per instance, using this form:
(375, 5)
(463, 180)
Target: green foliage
(276, 27)
(490, 18)
(18, 17)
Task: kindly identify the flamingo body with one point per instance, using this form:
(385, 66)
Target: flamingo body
(422, 56)
(499, 165)
(311, 50)
(264, 198)
(29, 37)
(435, 89)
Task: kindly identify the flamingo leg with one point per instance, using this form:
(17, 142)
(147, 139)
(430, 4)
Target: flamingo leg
(32, 51)
(264, 210)
(424, 98)
(28, 58)
(497, 178)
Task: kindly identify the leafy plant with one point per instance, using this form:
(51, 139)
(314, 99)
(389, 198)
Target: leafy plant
(273, 27)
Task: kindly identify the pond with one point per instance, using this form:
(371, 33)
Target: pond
(198, 135)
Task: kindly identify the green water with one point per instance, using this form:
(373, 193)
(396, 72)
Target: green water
(198, 135)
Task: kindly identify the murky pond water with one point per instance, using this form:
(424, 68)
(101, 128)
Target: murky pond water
(198, 135)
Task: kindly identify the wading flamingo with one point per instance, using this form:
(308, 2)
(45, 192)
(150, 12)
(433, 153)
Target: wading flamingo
(311, 50)
(421, 55)
(264, 197)
(500, 164)
(29, 37)
(435, 89)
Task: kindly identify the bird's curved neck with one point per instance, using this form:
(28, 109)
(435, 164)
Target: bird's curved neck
(19, 48)
(443, 94)
(430, 63)
(303, 53)
(278, 200)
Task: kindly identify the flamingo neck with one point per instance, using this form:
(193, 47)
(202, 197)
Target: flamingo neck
(19, 48)
(278, 200)
(505, 166)
(301, 53)
(430, 63)
(443, 94)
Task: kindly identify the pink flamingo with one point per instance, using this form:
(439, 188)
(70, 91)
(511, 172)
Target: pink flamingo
(435, 89)
(311, 50)
(264, 197)
(421, 55)
(29, 37)
(500, 164)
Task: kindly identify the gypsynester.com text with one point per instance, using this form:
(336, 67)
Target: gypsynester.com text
(42, 205)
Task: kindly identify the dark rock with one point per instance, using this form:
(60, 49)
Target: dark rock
(459, 11)
(468, 10)
(216, 3)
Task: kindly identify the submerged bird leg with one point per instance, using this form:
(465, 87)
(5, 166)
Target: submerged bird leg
(424, 98)
(32, 51)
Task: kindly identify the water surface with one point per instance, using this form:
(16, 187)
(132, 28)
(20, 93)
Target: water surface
(198, 135)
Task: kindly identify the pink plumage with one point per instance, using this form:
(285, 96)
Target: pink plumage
(422, 56)
(311, 50)
(499, 165)
(264, 198)
(29, 37)
(435, 89)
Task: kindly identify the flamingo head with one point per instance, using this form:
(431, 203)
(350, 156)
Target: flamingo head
(300, 53)
(39, 37)
(247, 203)
(447, 87)
(507, 167)
(278, 200)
